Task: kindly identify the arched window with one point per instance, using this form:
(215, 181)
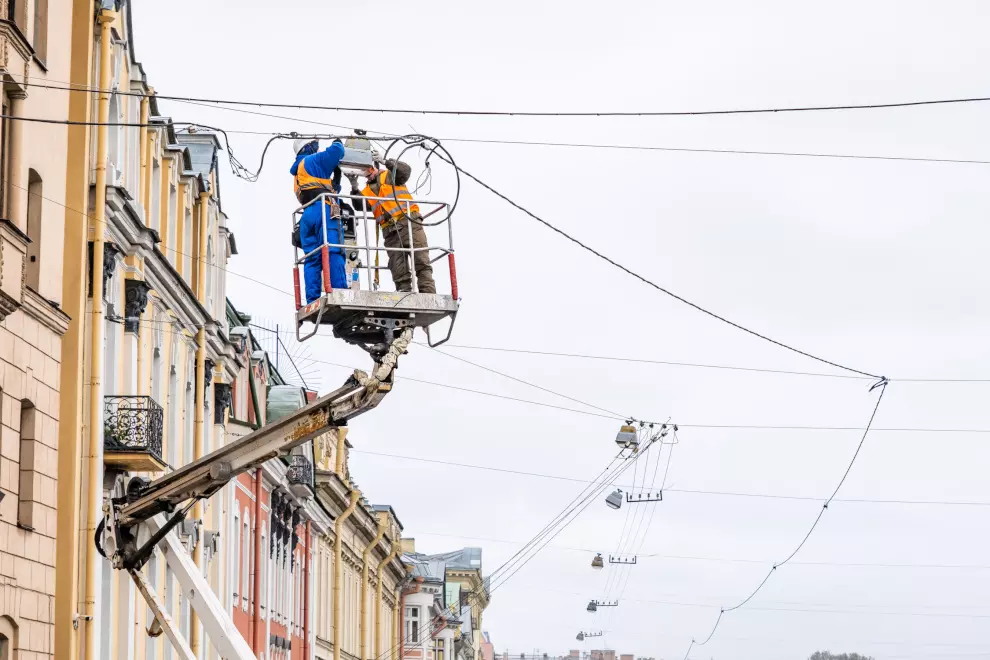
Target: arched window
(157, 355)
(187, 243)
(235, 562)
(170, 240)
(35, 204)
(262, 566)
(246, 559)
(29, 450)
(155, 210)
(8, 639)
(189, 412)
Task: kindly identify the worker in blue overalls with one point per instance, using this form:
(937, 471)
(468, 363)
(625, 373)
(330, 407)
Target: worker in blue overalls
(314, 175)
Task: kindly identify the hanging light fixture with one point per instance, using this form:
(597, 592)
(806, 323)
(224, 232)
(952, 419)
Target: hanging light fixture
(615, 499)
(627, 437)
(592, 606)
(580, 637)
(598, 563)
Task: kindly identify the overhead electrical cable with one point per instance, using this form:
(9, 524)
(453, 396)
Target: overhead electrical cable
(882, 385)
(688, 491)
(657, 148)
(560, 522)
(532, 113)
(525, 382)
(659, 288)
(735, 560)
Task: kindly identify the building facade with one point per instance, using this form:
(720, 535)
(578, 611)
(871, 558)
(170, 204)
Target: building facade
(145, 246)
(465, 595)
(121, 357)
(487, 647)
(32, 321)
(269, 517)
(359, 575)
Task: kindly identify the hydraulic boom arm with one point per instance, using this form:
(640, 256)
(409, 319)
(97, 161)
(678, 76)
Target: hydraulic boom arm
(141, 519)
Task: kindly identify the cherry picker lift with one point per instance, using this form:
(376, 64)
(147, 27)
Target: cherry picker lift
(369, 317)
(141, 515)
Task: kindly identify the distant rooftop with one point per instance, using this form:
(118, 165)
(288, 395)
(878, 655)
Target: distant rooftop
(463, 559)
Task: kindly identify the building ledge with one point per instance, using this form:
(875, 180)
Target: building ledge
(134, 461)
(11, 35)
(45, 311)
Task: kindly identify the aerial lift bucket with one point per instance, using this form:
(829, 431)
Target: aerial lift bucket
(364, 315)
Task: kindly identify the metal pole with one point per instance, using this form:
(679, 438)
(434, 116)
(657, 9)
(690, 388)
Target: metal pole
(325, 252)
(367, 247)
(412, 252)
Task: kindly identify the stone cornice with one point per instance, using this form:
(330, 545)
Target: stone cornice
(38, 308)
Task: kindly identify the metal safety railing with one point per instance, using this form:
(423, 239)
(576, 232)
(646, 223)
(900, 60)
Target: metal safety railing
(331, 219)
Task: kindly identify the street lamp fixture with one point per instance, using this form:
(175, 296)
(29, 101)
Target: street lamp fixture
(615, 499)
(627, 438)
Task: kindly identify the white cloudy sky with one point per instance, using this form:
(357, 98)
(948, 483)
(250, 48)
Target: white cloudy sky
(877, 264)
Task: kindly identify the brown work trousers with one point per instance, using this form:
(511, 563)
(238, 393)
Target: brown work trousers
(397, 236)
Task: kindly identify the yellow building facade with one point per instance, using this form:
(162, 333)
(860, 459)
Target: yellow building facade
(358, 569)
(145, 247)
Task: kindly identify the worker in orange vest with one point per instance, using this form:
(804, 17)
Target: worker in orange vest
(394, 219)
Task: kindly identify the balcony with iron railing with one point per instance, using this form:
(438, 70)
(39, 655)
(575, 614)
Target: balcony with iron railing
(132, 433)
(299, 475)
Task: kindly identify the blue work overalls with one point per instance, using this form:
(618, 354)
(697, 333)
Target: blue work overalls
(314, 172)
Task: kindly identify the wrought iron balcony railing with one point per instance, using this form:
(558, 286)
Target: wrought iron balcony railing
(132, 425)
(299, 474)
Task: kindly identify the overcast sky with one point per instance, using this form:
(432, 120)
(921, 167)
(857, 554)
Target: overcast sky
(880, 265)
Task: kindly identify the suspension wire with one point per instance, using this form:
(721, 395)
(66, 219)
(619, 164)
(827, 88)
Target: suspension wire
(625, 570)
(659, 288)
(529, 113)
(882, 385)
(524, 382)
(544, 536)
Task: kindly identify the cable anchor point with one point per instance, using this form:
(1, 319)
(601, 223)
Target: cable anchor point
(882, 382)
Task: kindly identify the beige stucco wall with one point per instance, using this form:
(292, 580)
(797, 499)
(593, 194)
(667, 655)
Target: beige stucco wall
(29, 372)
(31, 345)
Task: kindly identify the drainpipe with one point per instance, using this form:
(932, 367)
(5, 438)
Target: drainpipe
(94, 493)
(307, 567)
(257, 640)
(338, 570)
(396, 547)
(382, 526)
(254, 396)
(201, 385)
(400, 626)
(197, 510)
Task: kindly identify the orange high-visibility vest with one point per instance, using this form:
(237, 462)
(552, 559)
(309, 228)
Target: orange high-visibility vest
(306, 181)
(387, 211)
